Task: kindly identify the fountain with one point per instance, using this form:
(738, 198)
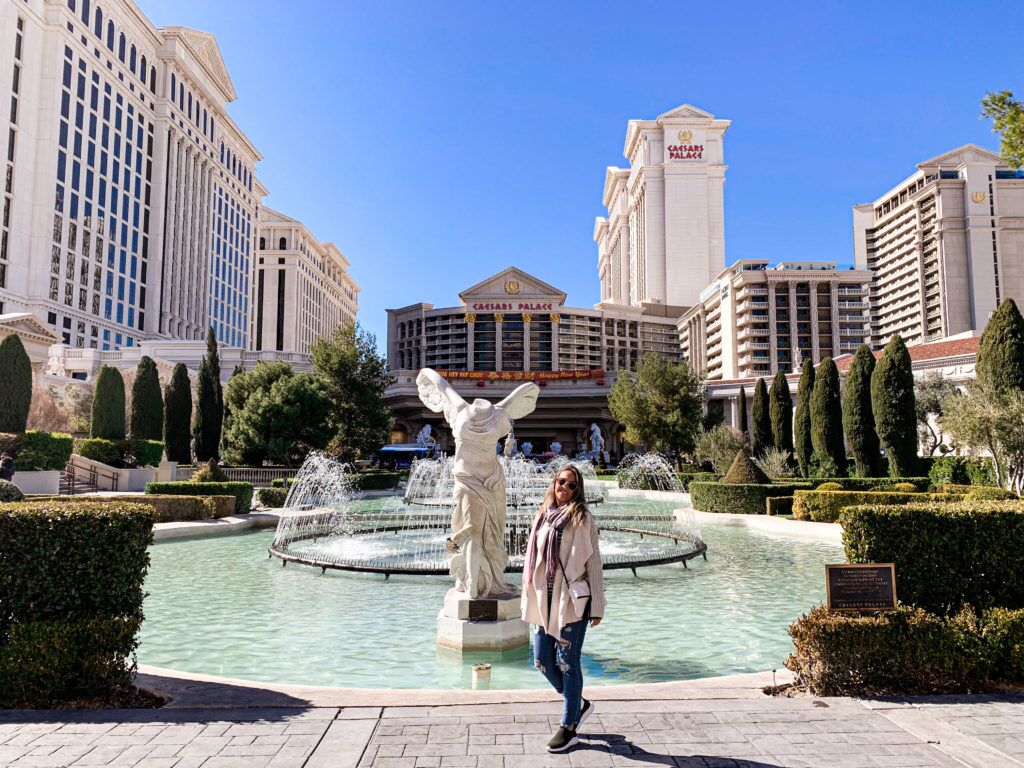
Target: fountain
(322, 527)
(648, 472)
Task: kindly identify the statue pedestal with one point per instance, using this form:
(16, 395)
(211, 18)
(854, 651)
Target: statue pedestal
(484, 624)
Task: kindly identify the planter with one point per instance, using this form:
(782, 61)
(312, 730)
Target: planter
(47, 482)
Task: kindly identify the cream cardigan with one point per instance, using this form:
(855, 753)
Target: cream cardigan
(581, 558)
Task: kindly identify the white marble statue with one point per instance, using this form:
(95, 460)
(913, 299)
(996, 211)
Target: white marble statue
(527, 447)
(510, 445)
(556, 447)
(424, 438)
(478, 519)
(596, 441)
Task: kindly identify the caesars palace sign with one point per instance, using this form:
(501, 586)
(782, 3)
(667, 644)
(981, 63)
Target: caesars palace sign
(509, 303)
(685, 149)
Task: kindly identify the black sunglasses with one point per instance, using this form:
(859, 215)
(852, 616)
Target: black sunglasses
(572, 485)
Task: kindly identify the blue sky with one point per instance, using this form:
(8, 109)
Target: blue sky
(437, 143)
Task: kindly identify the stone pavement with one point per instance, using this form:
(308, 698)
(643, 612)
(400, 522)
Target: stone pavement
(986, 732)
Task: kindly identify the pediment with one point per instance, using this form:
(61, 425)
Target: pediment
(204, 47)
(511, 283)
(686, 112)
(968, 153)
(28, 325)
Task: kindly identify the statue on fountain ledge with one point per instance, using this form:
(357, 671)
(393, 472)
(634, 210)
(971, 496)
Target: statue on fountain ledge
(478, 519)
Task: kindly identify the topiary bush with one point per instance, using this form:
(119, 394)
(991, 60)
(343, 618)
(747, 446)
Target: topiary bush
(945, 554)
(743, 471)
(168, 509)
(109, 452)
(147, 419)
(108, 405)
(210, 472)
(67, 643)
(780, 505)
(178, 416)
(281, 482)
(699, 477)
(825, 506)
(242, 492)
(873, 483)
(830, 486)
(44, 451)
(271, 497)
(983, 493)
(145, 453)
(901, 487)
(10, 492)
(374, 480)
(948, 469)
(15, 384)
(906, 651)
(739, 499)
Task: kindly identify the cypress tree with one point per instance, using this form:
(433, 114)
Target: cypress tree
(177, 416)
(108, 405)
(1001, 349)
(742, 415)
(858, 416)
(892, 400)
(15, 384)
(802, 421)
(208, 417)
(147, 421)
(761, 428)
(781, 409)
(827, 417)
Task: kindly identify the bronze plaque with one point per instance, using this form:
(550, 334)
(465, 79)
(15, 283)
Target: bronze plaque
(483, 610)
(861, 587)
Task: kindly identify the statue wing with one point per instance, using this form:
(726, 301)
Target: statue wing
(438, 395)
(521, 402)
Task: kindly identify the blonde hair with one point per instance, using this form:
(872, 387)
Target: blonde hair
(577, 504)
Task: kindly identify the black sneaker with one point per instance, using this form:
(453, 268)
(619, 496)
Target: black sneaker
(564, 740)
(585, 711)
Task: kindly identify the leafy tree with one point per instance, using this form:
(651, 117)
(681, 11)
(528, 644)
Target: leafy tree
(892, 400)
(275, 414)
(15, 384)
(108, 405)
(802, 420)
(858, 418)
(827, 418)
(178, 415)
(715, 414)
(742, 411)
(1007, 115)
(781, 409)
(208, 416)
(356, 377)
(147, 422)
(988, 420)
(1001, 349)
(930, 392)
(661, 407)
(718, 447)
(761, 429)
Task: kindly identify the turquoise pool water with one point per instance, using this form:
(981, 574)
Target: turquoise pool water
(219, 606)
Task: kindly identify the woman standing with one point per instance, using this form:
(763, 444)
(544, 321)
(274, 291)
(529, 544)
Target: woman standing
(563, 588)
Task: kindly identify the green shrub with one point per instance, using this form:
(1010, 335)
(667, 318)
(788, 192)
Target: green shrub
(945, 555)
(894, 407)
(907, 651)
(1003, 632)
(15, 384)
(147, 418)
(699, 477)
(901, 488)
(104, 451)
(64, 644)
(44, 451)
(10, 492)
(780, 505)
(145, 453)
(741, 499)
(374, 480)
(108, 405)
(988, 493)
(743, 471)
(948, 469)
(210, 472)
(167, 509)
(963, 490)
(825, 506)
(242, 492)
(271, 497)
(980, 472)
(178, 416)
(874, 483)
(281, 482)
(830, 486)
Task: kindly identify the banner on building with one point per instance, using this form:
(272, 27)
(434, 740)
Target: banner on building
(522, 375)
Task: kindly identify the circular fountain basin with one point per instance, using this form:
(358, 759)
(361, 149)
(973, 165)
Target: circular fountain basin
(220, 606)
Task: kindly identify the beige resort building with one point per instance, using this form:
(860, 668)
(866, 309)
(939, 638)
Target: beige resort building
(514, 327)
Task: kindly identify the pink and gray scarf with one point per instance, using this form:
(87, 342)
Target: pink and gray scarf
(556, 518)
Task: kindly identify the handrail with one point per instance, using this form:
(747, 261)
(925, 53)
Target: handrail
(94, 473)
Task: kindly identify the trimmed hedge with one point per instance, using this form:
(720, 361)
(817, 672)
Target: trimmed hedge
(780, 505)
(967, 552)
(907, 651)
(281, 482)
(271, 497)
(989, 493)
(107, 452)
(36, 451)
(242, 492)
(961, 471)
(747, 499)
(146, 453)
(168, 509)
(1003, 632)
(874, 483)
(65, 644)
(699, 477)
(826, 506)
(375, 480)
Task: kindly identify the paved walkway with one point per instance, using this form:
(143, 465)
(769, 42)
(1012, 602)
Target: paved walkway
(756, 732)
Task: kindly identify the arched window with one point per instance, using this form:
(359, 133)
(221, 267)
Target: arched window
(152, 79)
(174, 86)
(97, 27)
(263, 243)
(71, 5)
(190, 105)
(282, 244)
(142, 69)
(131, 59)
(110, 35)
(213, 127)
(204, 122)
(222, 151)
(120, 47)
(85, 12)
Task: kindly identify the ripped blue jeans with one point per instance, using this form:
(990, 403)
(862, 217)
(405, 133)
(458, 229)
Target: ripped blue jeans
(560, 664)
